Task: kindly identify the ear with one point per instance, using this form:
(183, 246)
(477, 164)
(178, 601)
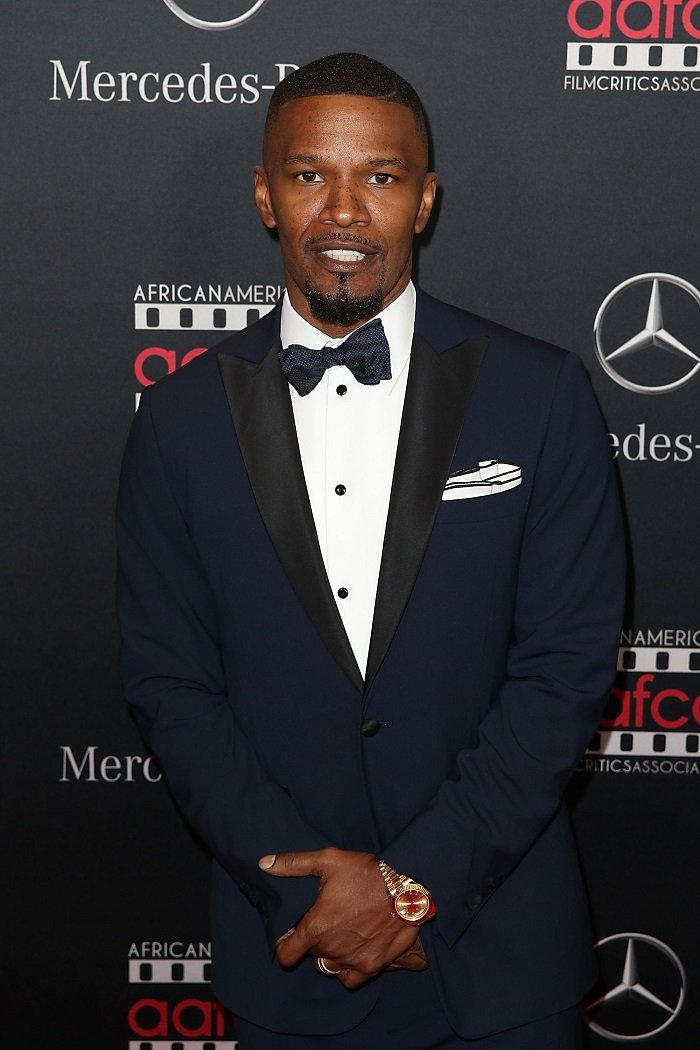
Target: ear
(261, 194)
(427, 201)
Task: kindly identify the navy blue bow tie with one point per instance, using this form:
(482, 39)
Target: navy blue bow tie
(365, 353)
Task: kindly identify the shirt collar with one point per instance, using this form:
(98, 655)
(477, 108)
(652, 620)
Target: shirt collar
(398, 320)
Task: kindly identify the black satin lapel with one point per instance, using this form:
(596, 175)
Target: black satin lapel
(437, 395)
(262, 415)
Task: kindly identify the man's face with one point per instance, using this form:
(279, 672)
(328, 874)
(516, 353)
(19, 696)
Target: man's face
(344, 182)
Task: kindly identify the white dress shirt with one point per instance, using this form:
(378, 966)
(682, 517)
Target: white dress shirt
(347, 435)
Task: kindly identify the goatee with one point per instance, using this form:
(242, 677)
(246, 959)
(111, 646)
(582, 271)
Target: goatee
(343, 308)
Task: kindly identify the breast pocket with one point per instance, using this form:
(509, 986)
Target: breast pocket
(482, 508)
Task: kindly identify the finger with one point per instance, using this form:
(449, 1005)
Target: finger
(295, 944)
(290, 949)
(286, 865)
(410, 960)
(413, 962)
(353, 978)
(285, 935)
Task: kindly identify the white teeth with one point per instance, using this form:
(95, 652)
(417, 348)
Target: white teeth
(343, 255)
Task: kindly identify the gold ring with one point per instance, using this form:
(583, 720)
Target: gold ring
(323, 968)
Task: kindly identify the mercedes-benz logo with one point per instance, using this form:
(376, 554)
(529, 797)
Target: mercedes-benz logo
(653, 335)
(224, 23)
(646, 988)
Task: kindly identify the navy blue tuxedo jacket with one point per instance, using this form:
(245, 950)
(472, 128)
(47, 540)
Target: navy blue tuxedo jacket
(492, 649)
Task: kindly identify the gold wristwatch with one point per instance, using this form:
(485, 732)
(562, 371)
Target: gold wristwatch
(410, 901)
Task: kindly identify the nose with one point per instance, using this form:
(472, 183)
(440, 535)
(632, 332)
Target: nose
(344, 204)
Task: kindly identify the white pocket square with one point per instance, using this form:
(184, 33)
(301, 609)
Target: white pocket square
(488, 479)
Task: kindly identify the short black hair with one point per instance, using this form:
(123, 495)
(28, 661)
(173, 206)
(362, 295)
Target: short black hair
(348, 73)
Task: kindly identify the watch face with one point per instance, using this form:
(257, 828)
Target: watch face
(412, 905)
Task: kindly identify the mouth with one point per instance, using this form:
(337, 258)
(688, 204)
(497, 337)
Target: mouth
(343, 255)
(338, 256)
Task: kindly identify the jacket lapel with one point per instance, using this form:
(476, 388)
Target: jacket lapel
(437, 394)
(262, 413)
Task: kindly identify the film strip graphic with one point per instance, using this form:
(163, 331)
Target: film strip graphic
(176, 317)
(664, 58)
(180, 1044)
(641, 658)
(169, 971)
(676, 744)
(636, 743)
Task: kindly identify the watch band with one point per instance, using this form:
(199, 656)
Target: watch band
(394, 882)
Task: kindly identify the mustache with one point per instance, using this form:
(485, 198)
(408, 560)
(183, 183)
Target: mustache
(345, 238)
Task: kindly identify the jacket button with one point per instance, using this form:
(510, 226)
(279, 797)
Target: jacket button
(370, 727)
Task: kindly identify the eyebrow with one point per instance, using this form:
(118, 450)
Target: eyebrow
(373, 162)
(302, 158)
(387, 162)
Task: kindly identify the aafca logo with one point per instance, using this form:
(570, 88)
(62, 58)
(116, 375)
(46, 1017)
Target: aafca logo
(179, 309)
(234, 13)
(162, 1015)
(652, 721)
(647, 333)
(644, 986)
(633, 45)
(634, 19)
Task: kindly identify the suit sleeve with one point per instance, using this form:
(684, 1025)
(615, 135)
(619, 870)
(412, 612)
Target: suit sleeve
(560, 662)
(174, 682)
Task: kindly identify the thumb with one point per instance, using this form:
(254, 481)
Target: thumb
(286, 865)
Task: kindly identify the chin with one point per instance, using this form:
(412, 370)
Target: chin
(343, 308)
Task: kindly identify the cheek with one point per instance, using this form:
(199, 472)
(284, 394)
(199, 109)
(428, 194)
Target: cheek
(295, 223)
(398, 224)
(401, 243)
(290, 232)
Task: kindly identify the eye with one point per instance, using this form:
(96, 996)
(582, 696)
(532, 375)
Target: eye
(381, 178)
(308, 177)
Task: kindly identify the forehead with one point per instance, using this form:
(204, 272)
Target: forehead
(352, 123)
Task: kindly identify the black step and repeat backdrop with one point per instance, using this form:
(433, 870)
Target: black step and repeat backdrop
(566, 138)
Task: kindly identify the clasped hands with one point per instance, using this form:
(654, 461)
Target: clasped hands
(350, 925)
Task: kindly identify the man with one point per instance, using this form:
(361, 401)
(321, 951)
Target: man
(370, 594)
